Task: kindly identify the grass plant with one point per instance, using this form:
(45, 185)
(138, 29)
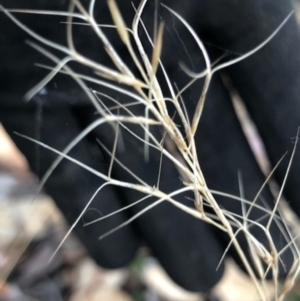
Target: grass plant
(146, 91)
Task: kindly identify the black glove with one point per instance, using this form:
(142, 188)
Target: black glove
(188, 248)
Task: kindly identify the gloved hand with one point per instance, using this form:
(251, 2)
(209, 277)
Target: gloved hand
(188, 248)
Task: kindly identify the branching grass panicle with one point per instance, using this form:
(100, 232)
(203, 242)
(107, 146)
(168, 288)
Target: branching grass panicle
(146, 91)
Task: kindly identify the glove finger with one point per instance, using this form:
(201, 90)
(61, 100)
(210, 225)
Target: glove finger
(179, 241)
(70, 186)
(271, 94)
